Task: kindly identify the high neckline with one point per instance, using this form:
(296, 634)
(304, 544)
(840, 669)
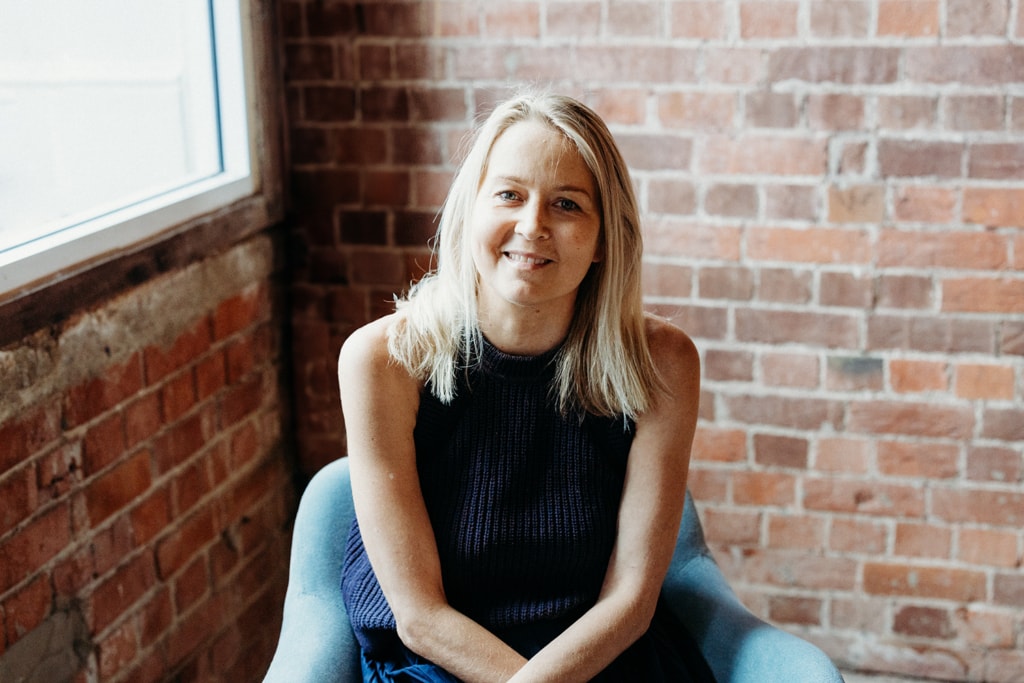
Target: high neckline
(494, 361)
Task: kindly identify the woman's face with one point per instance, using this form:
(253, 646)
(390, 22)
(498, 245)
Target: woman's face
(536, 223)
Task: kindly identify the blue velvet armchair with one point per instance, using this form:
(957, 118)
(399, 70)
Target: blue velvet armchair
(317, 645)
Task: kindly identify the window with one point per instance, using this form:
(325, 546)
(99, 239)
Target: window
(118, 121)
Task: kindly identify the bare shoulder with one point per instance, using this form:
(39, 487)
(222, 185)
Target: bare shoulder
(365, 360)
(674, 353)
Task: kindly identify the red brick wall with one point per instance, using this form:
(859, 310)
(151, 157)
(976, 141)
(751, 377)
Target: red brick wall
(833, 194)
(144, 481)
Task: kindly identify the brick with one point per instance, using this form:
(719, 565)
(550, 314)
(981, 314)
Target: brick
(115, 595)
(733, 65)
(211, 375)
(240, 311)
(656, 152)
(922, 540)
(919, 158)
(416, 145)
(835, 111)
(511, 19)
(1003, 424)
(977, 625)
(726, 283)
(923, 581)
(375, 64)
(908, 18)
(785, 285)
(697, 110)
(854, 373)
(27, 434)
(799, 570)
(773, 450)
(847, 65)
(118, 487)
(715, 444)
(1008, 589)
(142, 419)
(672, 237)
(976, 17)
(185, 542)
(975, 112)
(763, 155)
(863, 497)
(789, 370)
(995, 206)
(860, 614)
(983, 295)
(671, 196)
(96, 396)
(786, 609)
(814, 245)
(944, 334)
(979, 65)
(156, 616)
(437, 104)
(614, 63)
(996, 161)
(181, 441)
(117, 650)
(857, 536)
(928, 461)
(308, 62)
(846, 290)
(913, 376)
(768, 19)
(19, 492)
(666, 279)
(912, 419)
(627, 106)
(728, 366)
(791, 202)
(27, 608)
(767, 109)
(796, 533)
(112, 544)
(329, 103)
(840, 18)
(419, 62)
(962, 250)
(331, 19)
(191, 585)
(979, 506)
(701, 19)
(988, 547)
(852, 158)
(985, 382)
(34, 545)
(905, 291)
(904, 112)
(841, 454)
(923, 622)
(763, 488)
(994, 464)
(921, 204)
(159, 362)
(178, 396)
(784, 411)
(634, 19)
(780, 327)
(857, 204)
(732, 527)
(574, 18)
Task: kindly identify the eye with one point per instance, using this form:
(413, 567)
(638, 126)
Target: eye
(567, 205)
(507, 196)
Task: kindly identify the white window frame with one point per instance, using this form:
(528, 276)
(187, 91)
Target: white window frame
(71, 249)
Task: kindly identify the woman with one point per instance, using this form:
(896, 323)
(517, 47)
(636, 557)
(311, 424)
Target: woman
(519, 430)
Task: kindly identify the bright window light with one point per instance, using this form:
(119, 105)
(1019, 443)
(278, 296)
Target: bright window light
(118, 120)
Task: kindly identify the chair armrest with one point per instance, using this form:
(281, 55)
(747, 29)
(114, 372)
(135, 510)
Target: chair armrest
(739, 647)
(317, 644)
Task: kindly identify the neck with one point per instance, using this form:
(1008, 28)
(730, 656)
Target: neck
(524, 331)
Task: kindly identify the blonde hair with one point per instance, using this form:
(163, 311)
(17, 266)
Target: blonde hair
(604, 365)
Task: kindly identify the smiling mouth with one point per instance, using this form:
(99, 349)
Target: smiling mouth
(525, 260)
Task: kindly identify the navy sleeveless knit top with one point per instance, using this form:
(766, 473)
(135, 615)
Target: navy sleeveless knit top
(522, 500)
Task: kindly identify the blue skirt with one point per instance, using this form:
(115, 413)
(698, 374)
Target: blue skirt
(667, 653)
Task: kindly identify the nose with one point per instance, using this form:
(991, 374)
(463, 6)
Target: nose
(531, 223)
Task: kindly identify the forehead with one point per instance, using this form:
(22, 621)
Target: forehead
(535, 150)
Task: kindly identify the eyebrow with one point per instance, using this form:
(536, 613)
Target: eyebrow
(560, 188)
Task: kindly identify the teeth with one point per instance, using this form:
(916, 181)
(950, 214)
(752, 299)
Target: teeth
(520, 258)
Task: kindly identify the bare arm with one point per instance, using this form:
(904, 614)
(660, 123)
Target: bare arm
(649, 516)
(380, 401)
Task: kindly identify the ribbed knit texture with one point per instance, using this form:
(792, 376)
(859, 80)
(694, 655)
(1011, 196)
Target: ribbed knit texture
(523, 502)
